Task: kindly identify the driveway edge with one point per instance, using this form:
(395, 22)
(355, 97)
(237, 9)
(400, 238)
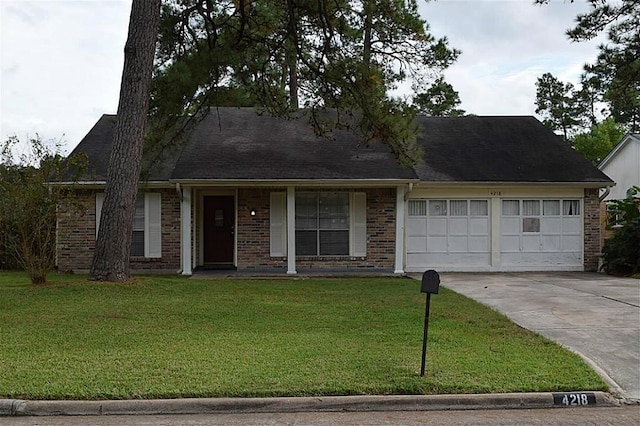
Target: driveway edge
(9, 407)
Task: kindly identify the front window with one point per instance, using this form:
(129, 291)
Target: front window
(137, 238)
(322, 224)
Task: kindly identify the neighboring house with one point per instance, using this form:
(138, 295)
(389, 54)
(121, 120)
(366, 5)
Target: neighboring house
(623, 166)
(257, 193)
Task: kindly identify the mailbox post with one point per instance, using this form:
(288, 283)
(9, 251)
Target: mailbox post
(430, 285)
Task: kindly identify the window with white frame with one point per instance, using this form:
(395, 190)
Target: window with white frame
(326, 224)
(322, 224)
(146, 238)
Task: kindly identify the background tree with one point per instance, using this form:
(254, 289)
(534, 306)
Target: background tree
(599, 140)
(339, 55)
(111, 256)
(29, 200)
(617, 67)
(558, 105)
(439, 100)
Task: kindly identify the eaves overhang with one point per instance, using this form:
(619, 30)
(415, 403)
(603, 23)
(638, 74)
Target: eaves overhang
(445, 184)
(336, 183)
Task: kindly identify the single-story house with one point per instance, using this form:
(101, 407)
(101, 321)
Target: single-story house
(257, 193)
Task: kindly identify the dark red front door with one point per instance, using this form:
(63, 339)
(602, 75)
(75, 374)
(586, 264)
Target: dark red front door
(218, 228)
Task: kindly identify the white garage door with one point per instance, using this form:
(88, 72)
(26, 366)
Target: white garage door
(447, 233)
(541, 232)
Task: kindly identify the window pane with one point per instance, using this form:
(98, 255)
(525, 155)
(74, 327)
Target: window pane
(334, 211)
(511, 208)
(334, 243)
(137, 243)
(306, 243)
(551, 207)
(531, 208)
(530, 224)
(479, 208)
(458, 208)
(437, 207)
(306, 211)
(417, 207)
(571, 207)
(138, 218)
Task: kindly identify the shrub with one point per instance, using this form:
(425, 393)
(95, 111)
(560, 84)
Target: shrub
(621, 252)
(29, 199)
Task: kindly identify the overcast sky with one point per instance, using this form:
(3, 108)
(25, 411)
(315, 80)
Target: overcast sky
(61, 60)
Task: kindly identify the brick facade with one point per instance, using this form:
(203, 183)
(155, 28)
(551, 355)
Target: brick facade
(592, 226)
(253, 233)
(76, 230)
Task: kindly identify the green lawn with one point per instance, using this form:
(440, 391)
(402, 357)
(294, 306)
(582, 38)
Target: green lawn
(169, 337)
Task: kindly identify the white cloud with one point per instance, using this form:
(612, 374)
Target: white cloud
(61, 64)
(506, 46)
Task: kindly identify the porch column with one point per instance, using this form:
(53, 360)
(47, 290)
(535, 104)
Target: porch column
(496, 232)
(400, 215)
(291, 230)
(185, 232)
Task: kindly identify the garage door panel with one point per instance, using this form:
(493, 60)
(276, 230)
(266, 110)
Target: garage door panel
(458, 226)
(510, 225)
(551, 243)
(479, 244)
(478, 226)
(458, 244)
(510, 243)
(416, 244)
(436, 244)
(572, 243)
(437, 226)
(417, 226)
(530, 243)
(550, 225)
(572, 225)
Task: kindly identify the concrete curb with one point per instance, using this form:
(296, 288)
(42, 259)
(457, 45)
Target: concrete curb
(12, 407)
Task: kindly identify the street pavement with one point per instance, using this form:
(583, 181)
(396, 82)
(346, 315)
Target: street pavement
(606, 416)
(594, 315)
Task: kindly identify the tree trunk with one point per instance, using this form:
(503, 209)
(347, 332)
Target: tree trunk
(111, 256)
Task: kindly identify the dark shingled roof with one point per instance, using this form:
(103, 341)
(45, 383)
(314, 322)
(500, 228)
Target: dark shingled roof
(238, 144)
(499, 149)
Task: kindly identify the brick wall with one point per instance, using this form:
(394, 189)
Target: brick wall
(76, 230)
(253, 233)
(592, 226)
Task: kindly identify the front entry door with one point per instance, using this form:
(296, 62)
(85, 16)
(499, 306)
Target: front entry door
(218, 229)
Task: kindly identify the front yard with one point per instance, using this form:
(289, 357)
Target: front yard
(170, 337)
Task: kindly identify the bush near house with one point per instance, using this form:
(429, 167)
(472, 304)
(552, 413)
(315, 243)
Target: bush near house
(621, 252)
(28, 203)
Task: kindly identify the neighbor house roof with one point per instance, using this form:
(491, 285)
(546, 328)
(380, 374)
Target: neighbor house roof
(628, 138)
(237, 144)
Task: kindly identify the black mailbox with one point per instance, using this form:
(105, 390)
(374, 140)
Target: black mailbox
(430, 282)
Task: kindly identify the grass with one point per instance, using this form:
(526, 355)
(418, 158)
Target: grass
(170, 337)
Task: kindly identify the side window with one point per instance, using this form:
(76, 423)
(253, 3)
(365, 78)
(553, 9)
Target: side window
(146, 238)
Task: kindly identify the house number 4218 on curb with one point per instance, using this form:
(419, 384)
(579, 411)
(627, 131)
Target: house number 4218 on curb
(574, 399)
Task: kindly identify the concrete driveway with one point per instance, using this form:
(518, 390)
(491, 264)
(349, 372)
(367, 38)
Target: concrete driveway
(595, 315)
